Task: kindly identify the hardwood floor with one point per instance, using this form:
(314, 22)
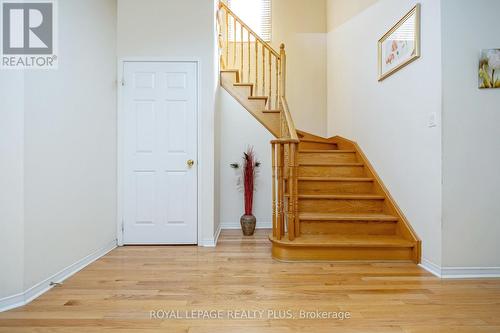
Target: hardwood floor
(117, 293)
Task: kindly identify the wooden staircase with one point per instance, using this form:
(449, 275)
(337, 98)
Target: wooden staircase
(328, 202)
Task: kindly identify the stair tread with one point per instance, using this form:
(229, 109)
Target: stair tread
(332, 164)
(347, 217)
(342, 196)
(258, 97)
(243, 84)
(271, 111)
(337, 179)
(332, 240)
(335, 151)
(318, 141)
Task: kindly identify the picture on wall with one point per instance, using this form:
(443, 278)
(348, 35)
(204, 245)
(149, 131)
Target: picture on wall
(489, 68)
(400, 45)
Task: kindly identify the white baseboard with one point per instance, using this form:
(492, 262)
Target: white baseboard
(236, 225)
(431, 267)
(460, 272)
(38, 289)
(211, 242)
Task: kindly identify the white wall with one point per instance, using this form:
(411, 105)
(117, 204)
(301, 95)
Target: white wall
(11, 183)
(389, 118)
(238, 130)
(301, 25)
(179, 29)
(471, 145)
(70, 143)
(340, 11)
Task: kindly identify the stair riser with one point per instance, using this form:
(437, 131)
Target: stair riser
(335, 187)
(348, 227)
(331, 171)
(317, 145)
(256, 104)
(244, 90)
(341, 253)
(327, 157)
(229, 77)
(340, 205)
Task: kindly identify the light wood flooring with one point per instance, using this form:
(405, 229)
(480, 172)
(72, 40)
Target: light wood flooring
(117, 293)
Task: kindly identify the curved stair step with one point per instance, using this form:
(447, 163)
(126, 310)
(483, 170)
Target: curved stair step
(343, 247)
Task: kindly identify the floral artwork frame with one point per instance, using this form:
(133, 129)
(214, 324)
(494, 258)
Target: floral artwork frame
(400, 45)
(489, 69)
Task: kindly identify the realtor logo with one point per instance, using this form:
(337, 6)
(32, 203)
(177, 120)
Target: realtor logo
(28, 34)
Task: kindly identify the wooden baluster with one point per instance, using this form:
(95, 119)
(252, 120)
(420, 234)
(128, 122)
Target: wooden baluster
(296, 187)
(234, 42)
(227, 38)
(270, 81)
(241, 53)
(256, 66)
(273, 165)
(249, 62)
(279, 206)
(277, 84)
(291, 192)
(263, 70)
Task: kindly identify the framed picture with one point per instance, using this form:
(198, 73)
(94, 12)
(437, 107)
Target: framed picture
(400, 45)
(489, 68)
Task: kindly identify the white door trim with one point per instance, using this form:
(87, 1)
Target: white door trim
(120, 139)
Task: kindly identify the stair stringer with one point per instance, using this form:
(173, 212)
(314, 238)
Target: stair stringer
(404, 228)
(256, 106)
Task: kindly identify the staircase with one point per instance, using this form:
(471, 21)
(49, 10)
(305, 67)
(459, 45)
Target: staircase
(328, 202)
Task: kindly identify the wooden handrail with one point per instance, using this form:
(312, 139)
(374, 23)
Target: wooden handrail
(254, 34)
(289, 121)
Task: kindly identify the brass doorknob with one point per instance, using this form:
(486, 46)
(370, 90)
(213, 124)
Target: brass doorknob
(190, 163)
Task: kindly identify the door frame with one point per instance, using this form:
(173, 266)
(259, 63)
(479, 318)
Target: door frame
(120, 137)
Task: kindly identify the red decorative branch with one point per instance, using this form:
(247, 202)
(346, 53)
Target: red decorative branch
(249, 165)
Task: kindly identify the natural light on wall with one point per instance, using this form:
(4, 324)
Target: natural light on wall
(255, 13)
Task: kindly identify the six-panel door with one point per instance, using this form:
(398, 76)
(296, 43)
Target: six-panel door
(160, 187)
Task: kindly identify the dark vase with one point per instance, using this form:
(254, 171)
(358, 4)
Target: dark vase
(248, 224)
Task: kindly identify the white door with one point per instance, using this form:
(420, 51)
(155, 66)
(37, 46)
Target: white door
(160, 149)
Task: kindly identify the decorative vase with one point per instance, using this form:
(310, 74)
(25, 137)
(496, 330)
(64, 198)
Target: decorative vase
(248, 224)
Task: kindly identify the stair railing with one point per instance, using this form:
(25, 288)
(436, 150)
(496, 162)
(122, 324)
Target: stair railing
(259, 64)
(243, 49)
(285, 177)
